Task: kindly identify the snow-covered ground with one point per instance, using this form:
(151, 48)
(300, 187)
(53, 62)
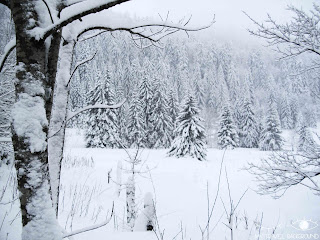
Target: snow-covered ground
(179, 187)
(180, 190)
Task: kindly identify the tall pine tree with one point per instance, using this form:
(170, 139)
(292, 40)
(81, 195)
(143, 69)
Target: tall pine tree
(249, 129)
(227, 134)
(271, 139)
(189, 134)
(102, 129)
(161, 120)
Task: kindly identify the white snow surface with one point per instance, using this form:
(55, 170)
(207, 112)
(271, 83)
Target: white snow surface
(179, 189)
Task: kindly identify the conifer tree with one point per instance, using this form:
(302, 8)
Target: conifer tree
(271, 139)
(161, 120)
(286, 115)
(136, 122)
(102, 129)
(189, 133)
(145, 98)
(227, 134)
(249, 129)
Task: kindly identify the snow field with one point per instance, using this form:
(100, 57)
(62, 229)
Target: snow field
(179, 186)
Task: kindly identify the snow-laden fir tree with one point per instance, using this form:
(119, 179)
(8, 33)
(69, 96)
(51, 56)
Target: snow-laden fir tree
(102, 129)
(145, 98)
(271, 139)
(136, 124)
(173, 109)
(161, 120)
(249, 129)
(286, 114)
(189, 133)
(227, 134)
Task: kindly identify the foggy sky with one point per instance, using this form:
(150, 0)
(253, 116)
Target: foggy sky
(230, 20)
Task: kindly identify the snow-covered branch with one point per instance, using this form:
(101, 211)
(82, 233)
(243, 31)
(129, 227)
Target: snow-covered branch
(71, 115)
(284, 170)
(299, 36)
(86, 229)
(79, 10)
(7, 50)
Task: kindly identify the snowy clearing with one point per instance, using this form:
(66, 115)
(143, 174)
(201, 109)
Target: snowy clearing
(180, 186)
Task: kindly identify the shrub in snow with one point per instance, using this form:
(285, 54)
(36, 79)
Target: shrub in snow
(189, 133)
(271, 139)
(145, 221)
(227, 134)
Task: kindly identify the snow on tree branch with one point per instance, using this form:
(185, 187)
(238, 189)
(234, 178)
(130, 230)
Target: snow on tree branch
(7, 50)
(76, 12)
(301, 35)
(285, 169)
(71, 115)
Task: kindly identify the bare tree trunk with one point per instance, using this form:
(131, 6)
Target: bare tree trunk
(30, 127)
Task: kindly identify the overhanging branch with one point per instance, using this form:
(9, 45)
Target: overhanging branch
(71, 115)
(78, 15)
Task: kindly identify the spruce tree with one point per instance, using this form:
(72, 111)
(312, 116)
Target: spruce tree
(145, 98)
(286, 114)
(227, 134)
(189, 133)
(102, 129)
(136, 122)
(173, 108)
(249, 129)
(271, 139)
(161, 120)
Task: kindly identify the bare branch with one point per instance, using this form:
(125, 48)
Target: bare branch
(71, 115)
(86, 229)
(283, 170)
(300, 36)
(78, 65)
(47, 6)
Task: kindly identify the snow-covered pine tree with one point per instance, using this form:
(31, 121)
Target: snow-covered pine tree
(189, 133)
(145, 98)
(227, 134)
(306, 142)
(249, 129)
(161, 120)
(271, 139)
(286, 114)
(102, 130)
(173, 108)
(238, 117)
(135, 121)
(198, 86)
